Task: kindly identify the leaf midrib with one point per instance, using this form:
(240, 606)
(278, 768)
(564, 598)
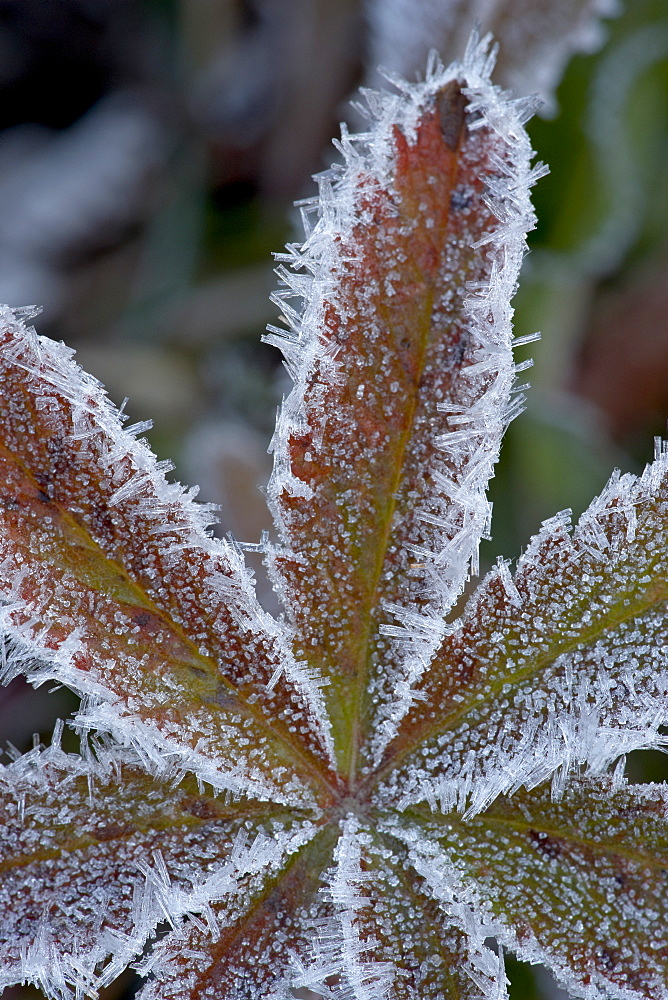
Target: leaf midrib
(369, 632)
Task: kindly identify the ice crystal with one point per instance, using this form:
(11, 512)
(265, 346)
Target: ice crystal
(354, 798)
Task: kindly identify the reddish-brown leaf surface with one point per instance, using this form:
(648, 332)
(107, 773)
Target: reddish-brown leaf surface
(361, 511)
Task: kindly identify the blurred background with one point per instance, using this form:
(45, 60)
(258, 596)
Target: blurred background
(150, 153)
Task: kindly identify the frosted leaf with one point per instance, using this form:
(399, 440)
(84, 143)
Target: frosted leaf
(109, 577)
(245, 949)
(402, 377)
(389, 936)
(576, 674)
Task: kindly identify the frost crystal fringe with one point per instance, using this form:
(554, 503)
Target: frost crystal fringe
(339, 948)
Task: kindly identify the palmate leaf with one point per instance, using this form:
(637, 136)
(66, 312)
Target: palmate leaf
(385, 788)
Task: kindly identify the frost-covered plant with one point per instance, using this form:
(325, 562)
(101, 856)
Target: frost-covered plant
(353, 798)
